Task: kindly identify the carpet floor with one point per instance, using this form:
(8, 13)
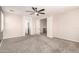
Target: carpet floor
(38, 44)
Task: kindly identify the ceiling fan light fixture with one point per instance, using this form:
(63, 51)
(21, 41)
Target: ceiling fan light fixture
(36, 13)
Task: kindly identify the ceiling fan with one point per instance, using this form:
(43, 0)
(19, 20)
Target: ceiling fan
(36, 11)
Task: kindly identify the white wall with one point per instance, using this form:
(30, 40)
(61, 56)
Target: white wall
(13, 26)
(66, 25)
(37, 26)
(33, 26)
(50, 26)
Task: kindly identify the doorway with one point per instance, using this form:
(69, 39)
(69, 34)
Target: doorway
(27, 23)
(28, 29)
(43, 26)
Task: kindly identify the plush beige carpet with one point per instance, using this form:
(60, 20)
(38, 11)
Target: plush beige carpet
(38, 44)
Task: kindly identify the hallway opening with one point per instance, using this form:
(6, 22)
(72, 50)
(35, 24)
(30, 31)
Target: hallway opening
(43, 26)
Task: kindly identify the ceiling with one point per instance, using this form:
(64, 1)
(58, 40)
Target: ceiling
(49, 10)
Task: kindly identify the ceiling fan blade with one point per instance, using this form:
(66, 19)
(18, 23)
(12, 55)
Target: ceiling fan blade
(32, 13)
(28, 11)
(41, 13)
(35, 9)
(41, 10)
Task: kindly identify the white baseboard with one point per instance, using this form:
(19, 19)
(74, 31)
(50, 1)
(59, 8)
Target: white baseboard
(12, 37)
